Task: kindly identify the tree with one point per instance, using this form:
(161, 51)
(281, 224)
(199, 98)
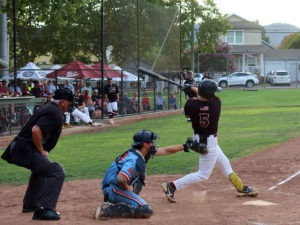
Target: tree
(219, 61)
(291, 41)
(263, 32)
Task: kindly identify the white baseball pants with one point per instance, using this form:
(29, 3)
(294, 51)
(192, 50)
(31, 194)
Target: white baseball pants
(206, 164)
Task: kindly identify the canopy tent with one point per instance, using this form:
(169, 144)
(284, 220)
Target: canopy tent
(109, 72)
(28, 72)
(75, 70)
(130, 76)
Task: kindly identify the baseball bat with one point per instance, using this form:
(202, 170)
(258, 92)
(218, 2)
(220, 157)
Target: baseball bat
(156, 75)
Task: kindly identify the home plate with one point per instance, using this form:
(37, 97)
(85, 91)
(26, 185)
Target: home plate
(259, 203)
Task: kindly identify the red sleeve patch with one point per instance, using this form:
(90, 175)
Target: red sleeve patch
(131, 171)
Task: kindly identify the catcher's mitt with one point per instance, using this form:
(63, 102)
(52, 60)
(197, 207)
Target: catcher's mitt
(195, 146)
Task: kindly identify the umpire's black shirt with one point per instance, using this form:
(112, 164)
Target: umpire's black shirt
(49, 118)
(190, 93)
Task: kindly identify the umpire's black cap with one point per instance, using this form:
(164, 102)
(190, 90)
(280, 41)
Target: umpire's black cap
(63, 93)
(144, 136)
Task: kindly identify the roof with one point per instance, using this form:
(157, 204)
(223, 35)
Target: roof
(244, 25)
(248, 49)
(3, 64)
(283, 54)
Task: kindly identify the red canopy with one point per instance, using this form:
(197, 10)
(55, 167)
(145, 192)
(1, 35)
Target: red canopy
(76, 70)
(108, 71)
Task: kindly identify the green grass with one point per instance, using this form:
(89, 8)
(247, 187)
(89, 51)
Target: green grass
(250, 121)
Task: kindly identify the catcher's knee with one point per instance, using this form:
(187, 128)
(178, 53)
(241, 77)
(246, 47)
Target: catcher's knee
(142, 211)
(122, 210)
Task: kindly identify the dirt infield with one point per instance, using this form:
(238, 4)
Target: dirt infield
(208, 203)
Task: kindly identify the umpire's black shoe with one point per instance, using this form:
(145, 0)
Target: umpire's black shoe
(41, 213)
(28, 209)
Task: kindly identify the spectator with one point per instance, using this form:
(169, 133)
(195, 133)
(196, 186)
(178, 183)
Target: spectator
(79, 112)
(36, 90)
(12, 92)
(98, 104)
(79, 85)
(172, 101)
(25, 89)
(3, 88)
(47, 97)
(50, 86)
(126, 104)
(160, 101)
(145, 102)
(87, 87)
(135, 100)
(69, 86)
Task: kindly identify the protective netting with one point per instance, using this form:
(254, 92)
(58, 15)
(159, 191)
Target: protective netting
(142, 34)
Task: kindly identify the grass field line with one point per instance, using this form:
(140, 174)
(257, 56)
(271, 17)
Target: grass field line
(284, 181)
(261, 107)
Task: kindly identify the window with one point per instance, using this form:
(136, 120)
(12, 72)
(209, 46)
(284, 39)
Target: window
(235, 37)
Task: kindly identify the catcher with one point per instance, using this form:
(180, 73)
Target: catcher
(129, 170)
(204, 113)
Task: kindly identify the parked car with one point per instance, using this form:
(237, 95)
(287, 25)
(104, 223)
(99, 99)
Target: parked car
(239, 78)
(281, 77)
(269, 76)
(198, 77)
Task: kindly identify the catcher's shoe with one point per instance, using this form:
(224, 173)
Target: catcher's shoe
(169, 191)
(100, 214)
(247, 191)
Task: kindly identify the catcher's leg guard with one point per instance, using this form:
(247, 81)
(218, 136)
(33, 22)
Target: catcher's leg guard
(237, 182)
(142, 211)
(119, 210)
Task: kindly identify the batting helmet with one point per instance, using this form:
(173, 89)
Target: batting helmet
(207, 88)
(144, 136)
(63, 93)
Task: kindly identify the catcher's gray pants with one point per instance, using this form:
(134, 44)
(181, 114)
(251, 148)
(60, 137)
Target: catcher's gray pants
(45, 182)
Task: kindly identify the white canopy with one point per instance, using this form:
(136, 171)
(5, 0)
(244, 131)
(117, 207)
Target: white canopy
(130, 76)
(28, 72)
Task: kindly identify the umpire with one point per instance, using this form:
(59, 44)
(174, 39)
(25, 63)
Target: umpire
(30, 150)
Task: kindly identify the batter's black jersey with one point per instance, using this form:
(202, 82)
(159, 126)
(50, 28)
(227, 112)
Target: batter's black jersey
(190, 93)
(204, 115)
(111, 91)
(49, 118)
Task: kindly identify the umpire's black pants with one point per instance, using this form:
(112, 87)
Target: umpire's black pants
(45, 182)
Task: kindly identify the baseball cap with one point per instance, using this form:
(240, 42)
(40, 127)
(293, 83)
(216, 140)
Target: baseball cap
(95, 90)
(109, 78)
(63, 93)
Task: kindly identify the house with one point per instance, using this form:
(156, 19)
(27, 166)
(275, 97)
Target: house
(283, 59)
(245, 39)
(252, 54)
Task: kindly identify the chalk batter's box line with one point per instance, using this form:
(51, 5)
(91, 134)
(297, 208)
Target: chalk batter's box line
(284, 181)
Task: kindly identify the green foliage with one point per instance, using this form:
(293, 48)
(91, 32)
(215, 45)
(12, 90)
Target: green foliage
(291, 41)
(221, 60)
(70, 30)
(250, 122)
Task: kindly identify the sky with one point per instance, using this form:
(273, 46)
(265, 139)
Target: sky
(265, 11)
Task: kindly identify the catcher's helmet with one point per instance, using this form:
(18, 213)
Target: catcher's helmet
(63, 93)
(144, 136)
(207, 88)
